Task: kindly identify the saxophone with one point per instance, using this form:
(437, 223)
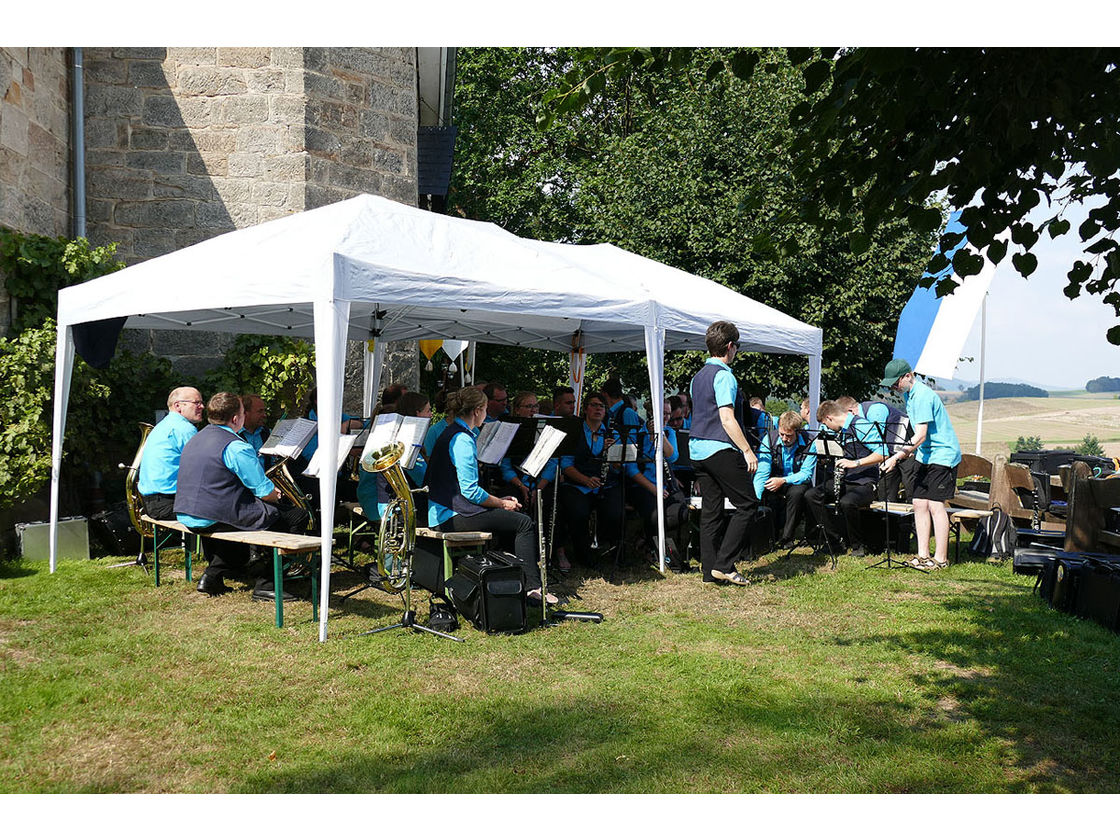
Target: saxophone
(279, 475)
(398, 526)
(131, 492)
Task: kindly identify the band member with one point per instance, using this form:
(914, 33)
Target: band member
(722, 457)
(456, 502)
(391, 396)
(564, 401)
(938, 452)
(622, 423)
(588, 486)
(676, 413)
(157, 478)
(525, 405)
(862, 453)
(255, 433)
(686, 407)
(373, 490)
(222, 486)
(785, 474)
(893, 427)
(497, 401)
(644, 492)
(805, 415)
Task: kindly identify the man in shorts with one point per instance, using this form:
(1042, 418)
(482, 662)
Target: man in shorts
(938, 452)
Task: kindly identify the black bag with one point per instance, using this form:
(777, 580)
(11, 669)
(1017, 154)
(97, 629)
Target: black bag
(441, 615)
(1098, 593)
(1031, 559)
(1067, 577)
(995, 536)
(489, 591)
(112, 530)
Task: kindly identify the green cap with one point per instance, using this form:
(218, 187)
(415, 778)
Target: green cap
(895, 370)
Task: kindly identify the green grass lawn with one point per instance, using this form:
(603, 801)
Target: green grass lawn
(853, 681)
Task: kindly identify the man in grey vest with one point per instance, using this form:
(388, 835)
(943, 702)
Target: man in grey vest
(722, 457)
(223, 487)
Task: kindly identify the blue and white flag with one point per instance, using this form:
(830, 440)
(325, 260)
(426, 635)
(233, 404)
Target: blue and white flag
(932, 330)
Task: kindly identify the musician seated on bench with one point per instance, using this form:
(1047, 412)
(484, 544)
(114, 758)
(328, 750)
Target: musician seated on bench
(862, 454)
(159, 463)
(785, 474)
(374, 492)
(456, 502)
(222, 487)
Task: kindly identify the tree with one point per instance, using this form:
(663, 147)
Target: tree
(1103, 383)
(1089, 445)
(662, 164)
(996, 132)
(1030, 443)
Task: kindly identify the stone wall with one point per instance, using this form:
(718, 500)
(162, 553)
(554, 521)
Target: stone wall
(187, 143)
(34, 145)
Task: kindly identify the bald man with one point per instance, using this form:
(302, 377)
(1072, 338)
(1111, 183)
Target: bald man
(157, 478)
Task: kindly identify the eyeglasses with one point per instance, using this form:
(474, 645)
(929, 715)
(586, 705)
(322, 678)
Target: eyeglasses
(595, 405)
(734, 344)
(191, 402)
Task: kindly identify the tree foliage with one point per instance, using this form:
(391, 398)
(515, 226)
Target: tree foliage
(662, 163)
(999, 390)
(1014, 137)
(281, 370)
(1090, 445)
(1030, 443)
(1103, 383)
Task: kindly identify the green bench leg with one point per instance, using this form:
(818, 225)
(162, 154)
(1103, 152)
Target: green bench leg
(155, 553)
(278, 585)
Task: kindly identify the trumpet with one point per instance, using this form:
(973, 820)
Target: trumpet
(279, 475)
(131, 492)
(397, 537)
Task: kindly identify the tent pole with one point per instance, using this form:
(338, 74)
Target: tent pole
(983, 339)
(63, 368)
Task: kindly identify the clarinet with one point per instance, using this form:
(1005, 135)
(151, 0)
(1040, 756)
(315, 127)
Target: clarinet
(593, 520)
(838, 476)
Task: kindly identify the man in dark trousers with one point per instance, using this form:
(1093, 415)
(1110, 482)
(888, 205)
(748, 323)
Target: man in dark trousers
(723, 460)
(222, 486)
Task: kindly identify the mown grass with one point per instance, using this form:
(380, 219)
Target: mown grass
(808, 681)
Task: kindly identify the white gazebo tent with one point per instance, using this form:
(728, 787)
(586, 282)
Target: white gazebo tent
(369, 267)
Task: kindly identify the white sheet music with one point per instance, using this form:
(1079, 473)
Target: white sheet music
(393, 428)
(828, 447)
(289, 437)
(615, 453)
(345, 444)
(550, 438)
(494, 440)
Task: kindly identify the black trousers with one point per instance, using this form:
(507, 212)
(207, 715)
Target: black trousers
(575, 512)
(724, 475)
(788, 505)
(891, 484)
(509, 526)
(159, 505)
(853, 498)
(227, 558)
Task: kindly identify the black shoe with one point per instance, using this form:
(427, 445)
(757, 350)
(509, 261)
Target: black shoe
(212, 585)
(266, 591)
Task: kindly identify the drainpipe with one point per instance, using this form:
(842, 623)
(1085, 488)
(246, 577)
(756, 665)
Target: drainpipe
(78, 115)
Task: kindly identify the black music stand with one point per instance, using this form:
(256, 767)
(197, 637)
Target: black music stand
(620, 462)
(825, 436)
(550, 615)
(887, 561)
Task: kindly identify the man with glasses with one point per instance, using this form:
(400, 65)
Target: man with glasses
(722, 458)
(497, 401)
(157, 478)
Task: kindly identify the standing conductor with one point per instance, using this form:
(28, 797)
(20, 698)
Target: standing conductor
(721, 457)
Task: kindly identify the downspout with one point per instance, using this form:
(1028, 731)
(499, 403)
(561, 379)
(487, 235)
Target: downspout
(78, 115)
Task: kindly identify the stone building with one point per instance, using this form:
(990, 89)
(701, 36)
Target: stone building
(181, 144)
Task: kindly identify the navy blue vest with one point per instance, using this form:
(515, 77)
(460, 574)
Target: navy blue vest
(443, 479)
(855, 449)
(589, 459)
(777, 462)
(898, 424)
(209, 489)
(705, 413)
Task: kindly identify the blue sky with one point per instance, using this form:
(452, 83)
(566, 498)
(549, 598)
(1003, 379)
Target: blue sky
(1034, 332)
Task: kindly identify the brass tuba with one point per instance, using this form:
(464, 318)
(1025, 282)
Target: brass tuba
(279, 475)
(131, 492)
(398, 525)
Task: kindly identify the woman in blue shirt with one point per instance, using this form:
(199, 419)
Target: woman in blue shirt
(456, 502)
(373, 490)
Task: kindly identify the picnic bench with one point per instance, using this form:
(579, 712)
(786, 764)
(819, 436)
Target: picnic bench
(288, 550)
(1091, 501)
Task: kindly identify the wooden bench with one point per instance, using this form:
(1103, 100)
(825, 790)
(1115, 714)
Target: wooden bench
(442, 549)
(1090, 501)
(287, 550)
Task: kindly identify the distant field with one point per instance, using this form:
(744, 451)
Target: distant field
(1061, 421)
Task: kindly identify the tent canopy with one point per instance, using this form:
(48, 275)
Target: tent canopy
(372, 268)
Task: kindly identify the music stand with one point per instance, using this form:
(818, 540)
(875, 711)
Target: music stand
(887, 561)
(546, 446)
(827, 448)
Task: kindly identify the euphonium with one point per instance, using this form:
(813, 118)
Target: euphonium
(398, 524)
(278, 474)
(131, 492)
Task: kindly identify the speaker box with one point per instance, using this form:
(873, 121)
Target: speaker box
(488, 590)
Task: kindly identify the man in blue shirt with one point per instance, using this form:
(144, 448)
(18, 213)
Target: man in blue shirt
(722, 457)
(255, 433)
(222, 486)
(938, 452)
(157, 478)
(893, 427)
(863, 452)
(785, 473)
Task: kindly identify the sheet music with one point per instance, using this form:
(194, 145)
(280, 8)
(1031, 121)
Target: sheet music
(615, 454)
(828, 448)
(345, 444)
(494, 440)
(382, 433)
(393, 428)
(548, 442)
(289, 437)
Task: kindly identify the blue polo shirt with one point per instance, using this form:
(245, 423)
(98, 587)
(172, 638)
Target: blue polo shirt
(941, 445)
(159, 465)
(786, 453)
(464, 455)
(649, 453)
(241, 459)
(726, 389)
(256, 440)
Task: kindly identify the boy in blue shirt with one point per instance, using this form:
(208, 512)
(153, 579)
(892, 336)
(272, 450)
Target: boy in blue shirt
(938, 452)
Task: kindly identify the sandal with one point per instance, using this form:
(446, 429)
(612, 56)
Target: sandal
(925, 564)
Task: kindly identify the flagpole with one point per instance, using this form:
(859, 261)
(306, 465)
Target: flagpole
(983, 337)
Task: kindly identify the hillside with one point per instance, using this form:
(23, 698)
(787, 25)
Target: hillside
(1060, 421)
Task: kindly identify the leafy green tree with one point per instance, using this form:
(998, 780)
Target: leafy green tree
(1010, 135)
(662, 164)
(1089, 445)
(281, 370)
(1027, 444)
